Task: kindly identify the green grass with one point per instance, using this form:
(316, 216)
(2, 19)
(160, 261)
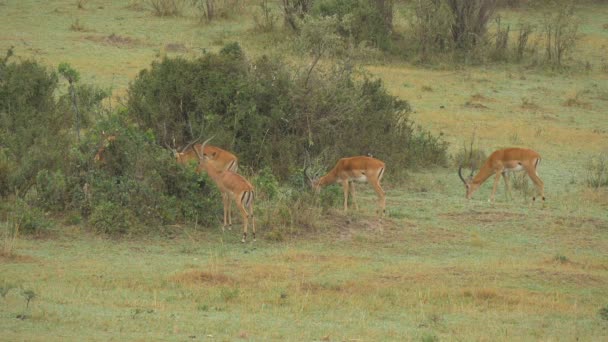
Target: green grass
(439, 267)
(448, 267)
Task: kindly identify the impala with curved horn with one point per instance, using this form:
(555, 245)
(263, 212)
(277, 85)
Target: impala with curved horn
(350, 170)
(219, 158)
(232, 186)
(500, 163)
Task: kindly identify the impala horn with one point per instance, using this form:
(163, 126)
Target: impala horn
(202, 148)
(460, 174)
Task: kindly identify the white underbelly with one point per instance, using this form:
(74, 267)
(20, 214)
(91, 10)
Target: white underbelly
(362, 178)
(514, 169)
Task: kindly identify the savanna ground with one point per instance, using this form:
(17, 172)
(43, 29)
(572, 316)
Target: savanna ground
(438, 268)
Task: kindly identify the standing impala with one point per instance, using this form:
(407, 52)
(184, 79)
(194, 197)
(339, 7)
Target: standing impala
(500, 163)
(349, 170)
(232, 186)
(219, 158)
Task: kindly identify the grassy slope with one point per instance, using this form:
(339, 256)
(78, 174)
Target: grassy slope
(439, 266)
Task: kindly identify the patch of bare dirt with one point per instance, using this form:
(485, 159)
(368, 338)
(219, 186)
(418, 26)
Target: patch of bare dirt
(115, 40)
(195, 277)
(176, 47)
(6, 258)
(483, 216)
(480, 98)
(566, 278)
(475, 105)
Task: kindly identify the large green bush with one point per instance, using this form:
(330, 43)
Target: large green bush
(32, 131)
(272, 116)
(139, 177)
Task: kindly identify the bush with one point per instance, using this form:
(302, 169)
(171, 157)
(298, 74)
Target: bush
(25, 218)
(113, 219)
(51, 190)
(597, 171)
(451, 25)
(271, 116)
(560, 28)
(33, 135)
(139, 177)
(164, 8)
(362, 20)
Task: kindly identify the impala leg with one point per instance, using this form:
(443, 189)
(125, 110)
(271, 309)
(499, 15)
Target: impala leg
(496, 180)
(252, 219)
(229, 203)
(540, 185)
(505, 176)
(352, 194)
(226, 205)
(345, 187)
(375, 182)
(245, 219)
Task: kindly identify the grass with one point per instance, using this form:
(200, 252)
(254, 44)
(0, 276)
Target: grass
(438, 268)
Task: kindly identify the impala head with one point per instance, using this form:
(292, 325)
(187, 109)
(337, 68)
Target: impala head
(182, 157)
(470, 186)
(201, 158)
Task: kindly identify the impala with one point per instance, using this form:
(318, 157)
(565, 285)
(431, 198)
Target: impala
(500, 163)
(219, 158)
(233, 187)
(350, 170)
(107, 140)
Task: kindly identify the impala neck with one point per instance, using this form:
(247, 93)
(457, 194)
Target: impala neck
(484, 173)
(328, 179)
(211, 171)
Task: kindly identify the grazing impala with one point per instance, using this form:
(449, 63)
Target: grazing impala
(349, 170)
(500, 163)
(232, 186)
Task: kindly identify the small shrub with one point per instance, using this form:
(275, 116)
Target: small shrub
(228, 294)
(604, 313)
(51, 188)
(560, 29)
(209, 10)
(562, 259)
(524, 33)
(266, 184)
(77, 26)
(597, 171)
(167, 8)
(469, 156)
(521, 182)
(265, 18)
(113, 219)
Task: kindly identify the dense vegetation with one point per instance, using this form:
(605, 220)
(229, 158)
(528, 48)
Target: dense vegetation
(268, 115)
